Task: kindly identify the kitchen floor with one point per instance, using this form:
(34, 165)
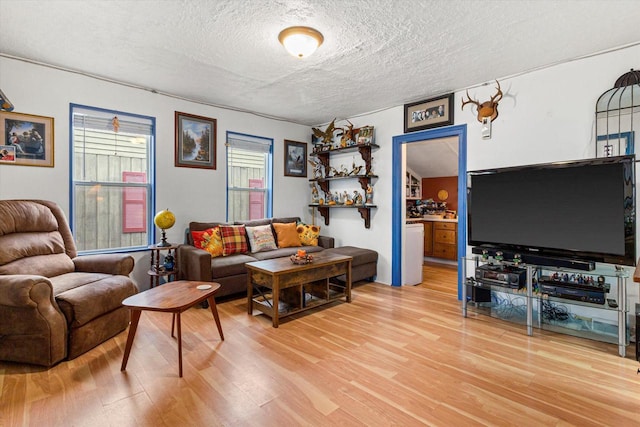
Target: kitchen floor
(440, 277)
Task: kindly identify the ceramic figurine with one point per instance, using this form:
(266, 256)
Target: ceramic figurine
(357, 197)
(347, 137)
(325, 137)
(355, 170)
(369, 196)
(317, 168)
(168, 262)
(347, 199)
(314, 194)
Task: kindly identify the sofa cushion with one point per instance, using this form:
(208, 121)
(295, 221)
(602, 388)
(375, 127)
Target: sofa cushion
(308, 234)
(230, 265)
(287, 234)
(254, 222)
(360, 255)
(234, 239)
(41, 265)
(286, 219)
(83, 297)
(261, 238)
(285, 252)
(209, 240)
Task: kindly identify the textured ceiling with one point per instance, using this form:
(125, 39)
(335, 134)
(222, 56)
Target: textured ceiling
(376, 54)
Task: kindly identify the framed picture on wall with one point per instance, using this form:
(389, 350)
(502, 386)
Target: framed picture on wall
(195, 141)
(27, 140)
(431, 113)
(295, 158)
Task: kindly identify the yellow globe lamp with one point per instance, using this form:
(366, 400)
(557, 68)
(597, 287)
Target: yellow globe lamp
(164, 220)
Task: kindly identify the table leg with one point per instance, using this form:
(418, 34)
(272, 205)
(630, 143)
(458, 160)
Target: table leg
(348, 284)
(179, 344)
(275, 297)
(173, 323)
(249, 292)
(135, 318)
(214, 311)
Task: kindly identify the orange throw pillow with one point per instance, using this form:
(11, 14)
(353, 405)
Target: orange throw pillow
(287, 234)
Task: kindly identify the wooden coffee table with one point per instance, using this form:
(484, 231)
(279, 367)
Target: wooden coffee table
(172, 297)
(284, 288)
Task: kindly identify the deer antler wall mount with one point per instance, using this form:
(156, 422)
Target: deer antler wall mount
(488, 109)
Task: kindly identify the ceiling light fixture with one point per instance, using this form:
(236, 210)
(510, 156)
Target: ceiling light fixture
(300, 41)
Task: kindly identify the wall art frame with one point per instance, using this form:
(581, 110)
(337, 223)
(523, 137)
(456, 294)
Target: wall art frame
(428, 114)
(28, 137)
(195, 141)
(295, 158)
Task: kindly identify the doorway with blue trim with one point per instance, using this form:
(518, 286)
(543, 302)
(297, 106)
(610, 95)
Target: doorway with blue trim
(398, 178)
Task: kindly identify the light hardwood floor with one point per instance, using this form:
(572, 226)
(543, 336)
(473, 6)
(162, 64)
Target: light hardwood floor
(393, 356)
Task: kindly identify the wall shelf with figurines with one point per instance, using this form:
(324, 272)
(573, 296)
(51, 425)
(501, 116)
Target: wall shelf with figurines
(325, 146)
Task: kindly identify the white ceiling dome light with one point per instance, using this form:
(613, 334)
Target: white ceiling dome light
(300, 41)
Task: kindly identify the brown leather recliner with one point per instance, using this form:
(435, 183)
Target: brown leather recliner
(53, 303)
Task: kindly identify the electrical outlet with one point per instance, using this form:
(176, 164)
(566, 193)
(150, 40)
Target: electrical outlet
(486, 128)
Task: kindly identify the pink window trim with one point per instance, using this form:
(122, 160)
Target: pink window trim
(134, 204)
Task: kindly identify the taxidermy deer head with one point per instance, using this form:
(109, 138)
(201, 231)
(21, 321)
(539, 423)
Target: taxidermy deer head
(488, 108)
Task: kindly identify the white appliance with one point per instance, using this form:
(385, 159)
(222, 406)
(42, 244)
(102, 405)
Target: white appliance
(413, 254)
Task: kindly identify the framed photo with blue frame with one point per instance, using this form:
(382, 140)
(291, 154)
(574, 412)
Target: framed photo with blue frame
(615, 144)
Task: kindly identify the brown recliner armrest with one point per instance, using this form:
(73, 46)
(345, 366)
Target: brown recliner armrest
(194, 263)
(121, 264)
(326, 242)
(33, 329)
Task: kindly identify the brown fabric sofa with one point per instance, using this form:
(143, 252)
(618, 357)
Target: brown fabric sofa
(53, 303)
(230, 272)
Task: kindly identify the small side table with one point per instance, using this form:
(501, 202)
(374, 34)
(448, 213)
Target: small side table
(174, 297)
(157, 270)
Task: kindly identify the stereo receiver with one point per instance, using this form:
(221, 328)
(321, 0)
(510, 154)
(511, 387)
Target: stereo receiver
(502, 275)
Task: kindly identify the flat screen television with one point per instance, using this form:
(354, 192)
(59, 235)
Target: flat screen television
(582, 210)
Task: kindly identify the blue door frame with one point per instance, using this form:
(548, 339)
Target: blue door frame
(397, 219)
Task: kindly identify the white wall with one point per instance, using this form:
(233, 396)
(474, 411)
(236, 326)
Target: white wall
(544, 116)
(547, 115)
(191, 194)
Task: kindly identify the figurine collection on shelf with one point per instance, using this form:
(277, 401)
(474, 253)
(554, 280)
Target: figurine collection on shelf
(334, 137)
(342, 198)
(320, 172)
(337, 138)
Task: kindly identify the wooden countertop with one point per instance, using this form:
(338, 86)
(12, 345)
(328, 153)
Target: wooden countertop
(414, 220)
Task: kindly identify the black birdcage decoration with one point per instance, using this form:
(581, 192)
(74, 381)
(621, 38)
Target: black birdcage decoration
(617, 111)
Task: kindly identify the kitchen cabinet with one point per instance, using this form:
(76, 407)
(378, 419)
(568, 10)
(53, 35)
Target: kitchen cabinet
(441, 239)
(444, 240)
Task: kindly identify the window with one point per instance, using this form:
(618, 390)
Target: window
(249, 177)
(112, 179)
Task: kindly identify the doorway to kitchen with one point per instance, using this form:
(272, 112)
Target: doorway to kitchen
(399, 195)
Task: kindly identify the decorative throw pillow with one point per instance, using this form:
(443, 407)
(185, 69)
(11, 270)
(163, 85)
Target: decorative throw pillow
(261, 238)
(287, 234)
(209, 240)
(308, 234)
(234, 240)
